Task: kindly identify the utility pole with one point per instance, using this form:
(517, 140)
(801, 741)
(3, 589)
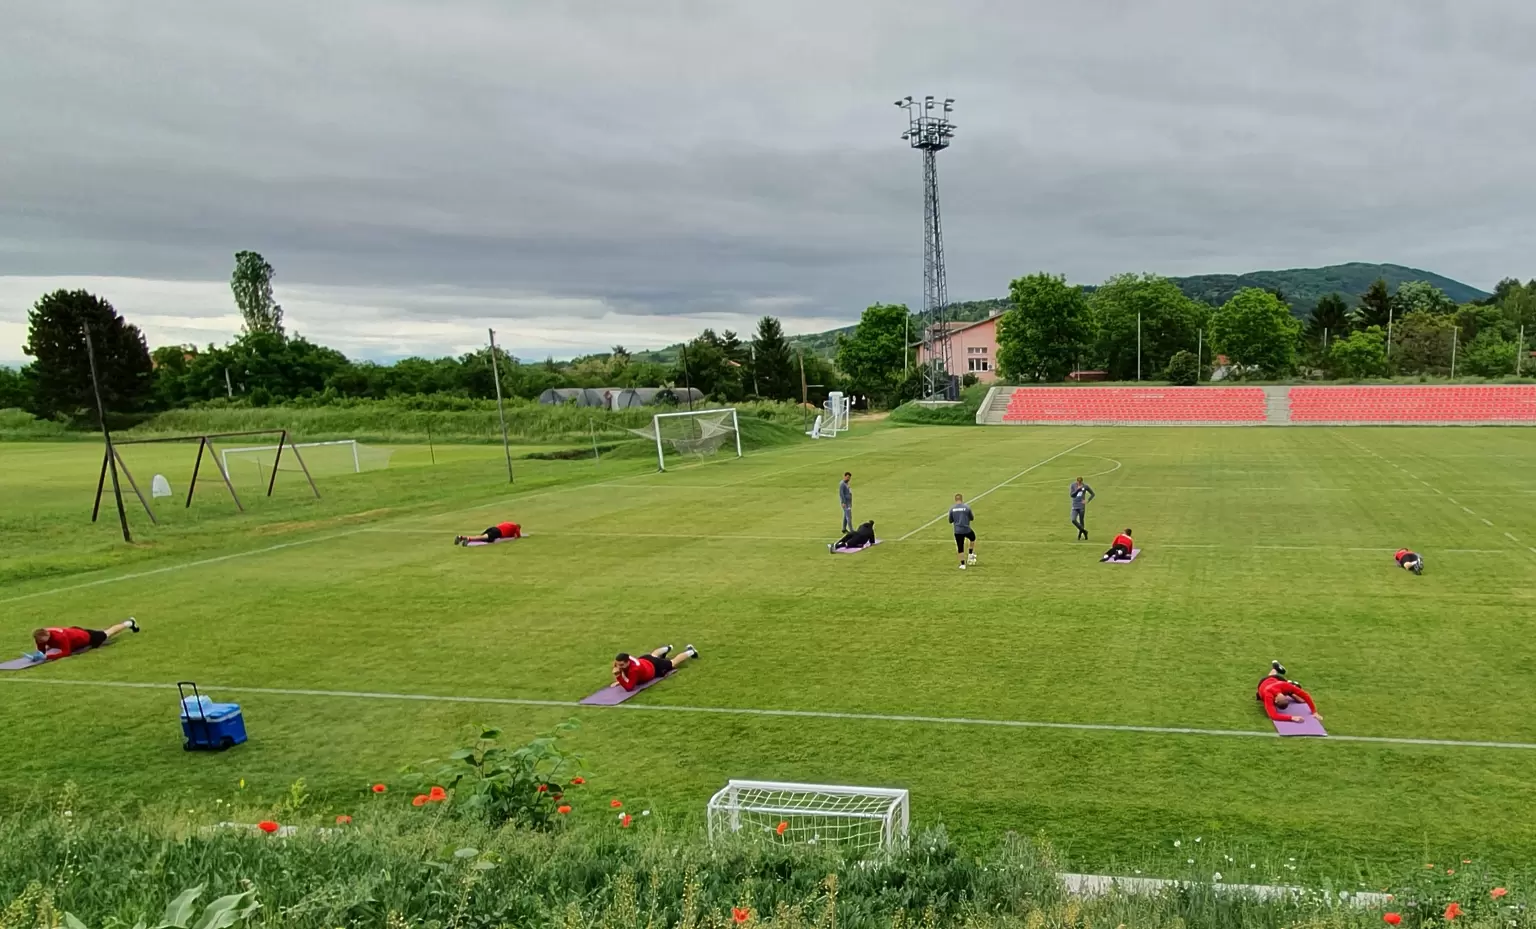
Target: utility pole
(1455, 338)
(1138, 346)
(929, 132)
(1519, 350)
(506, 446)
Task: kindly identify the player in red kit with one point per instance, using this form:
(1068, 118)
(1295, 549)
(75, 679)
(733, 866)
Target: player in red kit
(1120, 548)
(493, 534)
(63, 641)
(630, 671)
(1276, 693)
(1409, 561)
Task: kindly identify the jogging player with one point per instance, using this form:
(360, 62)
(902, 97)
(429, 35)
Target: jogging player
(1409, 561)
(1081, 494)
(845, 497)
(56, 642)
(494, 533)
(960, 515)
(862, 537)
(630, 672)
(1276, 694)
(1120, 549)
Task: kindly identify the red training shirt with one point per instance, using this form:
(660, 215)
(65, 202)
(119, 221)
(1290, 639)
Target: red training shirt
(67, 640)
(637, 672)
(1271, 687)
(510, 530)
(1400, 553)
(1123, 539)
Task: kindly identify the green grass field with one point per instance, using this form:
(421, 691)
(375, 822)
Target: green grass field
(1258, 544)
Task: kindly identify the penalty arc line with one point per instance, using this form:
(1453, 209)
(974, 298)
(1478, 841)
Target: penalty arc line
(998, 486)
(783, 714)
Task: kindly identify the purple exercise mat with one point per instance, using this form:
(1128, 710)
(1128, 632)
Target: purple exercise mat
(1309, 725)
(855, 551)
(476, 542)
(1134, 553)
(613, 694)
(21, 664)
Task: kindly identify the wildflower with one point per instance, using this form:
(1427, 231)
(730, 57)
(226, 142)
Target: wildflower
(740, 915)
(1452, 910)
(1450, 870)
(437, 795)
(1429, 866)
(1466, 861)
(379, 788)
(542, 788)
(343, 819)
(1497, 892)
(563, 809)
(578, 781)
(419, 800)
(242, 783)
(781, 827)
(645, 812)
(1190, 861)
(1197, 839)
(623, 820)
(1252, 867)
(1177, 843)
(1216, 876)
(1391, 919)
(267, 826)
(556, 797)
(616, 803)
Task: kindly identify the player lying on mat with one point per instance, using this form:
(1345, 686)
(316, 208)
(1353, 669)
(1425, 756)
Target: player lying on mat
(1276, 694)
(67, 640)
(498, 531)
(630, 672)
(1120, 548)
(859, 538)
(1409, 561)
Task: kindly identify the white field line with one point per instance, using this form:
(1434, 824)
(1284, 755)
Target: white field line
(1511, 538)
(996, 486)
(178, 567)
(772, 713)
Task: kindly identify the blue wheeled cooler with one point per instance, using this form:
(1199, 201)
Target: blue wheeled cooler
(208, 725)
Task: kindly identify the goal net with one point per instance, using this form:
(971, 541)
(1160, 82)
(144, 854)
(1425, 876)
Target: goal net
(697, 433)
(253, 464)
(863, 819)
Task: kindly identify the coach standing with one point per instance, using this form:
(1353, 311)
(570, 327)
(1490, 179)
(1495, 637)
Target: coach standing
(1081, 494)
(845, 497)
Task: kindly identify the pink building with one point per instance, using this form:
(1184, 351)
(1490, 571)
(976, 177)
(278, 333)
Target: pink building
(972, 349)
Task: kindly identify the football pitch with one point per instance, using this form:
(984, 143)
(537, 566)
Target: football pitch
(1108, 707)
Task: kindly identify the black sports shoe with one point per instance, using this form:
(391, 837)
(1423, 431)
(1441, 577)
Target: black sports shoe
(692, 651)
(133, 624)
(1278, 668)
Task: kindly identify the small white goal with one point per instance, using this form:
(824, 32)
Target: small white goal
(696, 432)
(865, 819)
(342, 456)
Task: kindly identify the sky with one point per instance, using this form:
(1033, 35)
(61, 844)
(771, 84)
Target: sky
(584, 173)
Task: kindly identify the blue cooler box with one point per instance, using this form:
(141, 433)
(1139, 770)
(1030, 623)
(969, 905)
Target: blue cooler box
(209, 725)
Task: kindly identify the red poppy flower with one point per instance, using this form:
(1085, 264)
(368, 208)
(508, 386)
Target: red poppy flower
(437, 795)
(267, 826)
(781, 827)
(542, 788)
(419, 800)
(1391, 919)
(578, 780)
(557, 797)
(1450, 870)
(343, 819)
(562, 810)
(740, 915)
(616, 803)
(379, 788)
(1452, 910)
(1497, 892)
(624, 821)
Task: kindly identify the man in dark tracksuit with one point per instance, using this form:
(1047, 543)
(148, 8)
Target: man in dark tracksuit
(1081, 494)
(845, 497)
(960, 515)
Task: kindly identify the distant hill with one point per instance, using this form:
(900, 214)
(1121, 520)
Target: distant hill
(1302, 288)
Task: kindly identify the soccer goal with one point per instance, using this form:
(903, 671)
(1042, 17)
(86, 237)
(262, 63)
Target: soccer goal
(864, 819)
(698, 433)
(254, 463)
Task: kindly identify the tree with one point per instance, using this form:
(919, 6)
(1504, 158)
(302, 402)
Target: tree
(1360, 354)
(1420, 295)
(252, 285)
(61, 375)
(875, 356)
(15, 390)
(704, 365)
(1331, 315)
(1255, 329)
(772, 364)
(1170, 322)
(1375, 306)
(1421, 343)
(1183, 369)
(1045, 332)
(1488, 355)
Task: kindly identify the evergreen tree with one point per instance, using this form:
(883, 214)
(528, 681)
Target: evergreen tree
(61, 375)
(772, 363)
(1375, 306)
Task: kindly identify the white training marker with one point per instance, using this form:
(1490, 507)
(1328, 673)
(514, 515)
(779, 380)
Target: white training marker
(1487, 523)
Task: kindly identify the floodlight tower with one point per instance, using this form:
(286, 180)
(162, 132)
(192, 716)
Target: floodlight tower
(929, 131)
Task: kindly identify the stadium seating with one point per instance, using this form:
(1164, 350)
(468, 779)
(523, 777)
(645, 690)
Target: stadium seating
(1136, 405)
(1406, 404)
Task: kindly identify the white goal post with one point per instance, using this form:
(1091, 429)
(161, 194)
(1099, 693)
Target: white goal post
(357, 466)
(870, 819)
(698, 432)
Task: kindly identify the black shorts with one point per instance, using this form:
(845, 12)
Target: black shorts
(492, 534)
(663, 666)
(98, 638)
(961, 537)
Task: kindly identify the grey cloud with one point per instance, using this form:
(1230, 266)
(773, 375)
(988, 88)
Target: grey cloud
(672, 158)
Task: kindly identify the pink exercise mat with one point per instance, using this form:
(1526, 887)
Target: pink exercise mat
(1309, 725)
(1134, 553)
(855, 551)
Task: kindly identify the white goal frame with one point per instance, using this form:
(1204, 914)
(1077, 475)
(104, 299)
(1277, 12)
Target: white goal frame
(661, 454)
(890, 807)
(357, 465)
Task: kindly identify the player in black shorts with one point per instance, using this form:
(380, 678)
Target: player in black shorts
(960, 515)
(862, 537)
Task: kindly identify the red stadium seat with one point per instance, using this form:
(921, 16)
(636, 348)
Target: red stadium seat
(1136, 405)
(1406, 404)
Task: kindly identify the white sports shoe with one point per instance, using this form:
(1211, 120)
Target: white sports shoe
(962, 566)
(973, 558)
